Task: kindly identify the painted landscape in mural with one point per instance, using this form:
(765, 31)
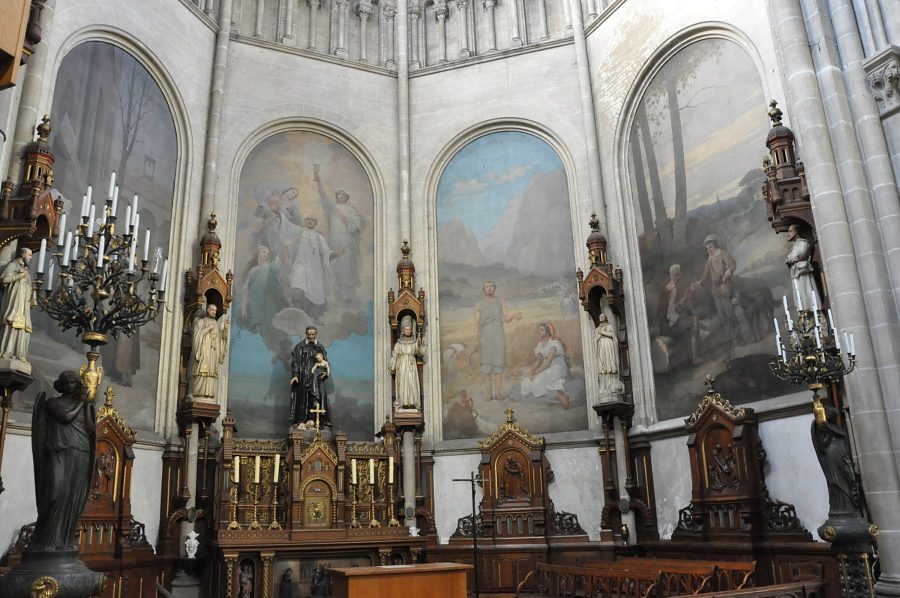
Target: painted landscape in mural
(507, 290)
(109, 115)
(713, 268)
(304, 252)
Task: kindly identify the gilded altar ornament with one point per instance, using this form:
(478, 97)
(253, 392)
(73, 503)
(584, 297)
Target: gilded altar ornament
(44, 587)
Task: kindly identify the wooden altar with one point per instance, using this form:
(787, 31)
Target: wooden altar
(517, 525)
(311, 502)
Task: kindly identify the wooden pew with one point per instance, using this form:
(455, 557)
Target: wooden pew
(566, 581)
(797, 589)
(728, 575)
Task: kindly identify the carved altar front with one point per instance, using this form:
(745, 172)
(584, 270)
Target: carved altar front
(517, 525)
(304, 503)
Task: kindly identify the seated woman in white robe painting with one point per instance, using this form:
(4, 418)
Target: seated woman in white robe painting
(546, 376)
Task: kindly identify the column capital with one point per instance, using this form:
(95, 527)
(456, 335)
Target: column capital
(883, 80)
(462, 4)
(314, 3)
(488, 4)
(389, 11)
(364, 9)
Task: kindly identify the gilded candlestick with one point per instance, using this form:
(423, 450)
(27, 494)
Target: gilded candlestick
(373, 522)
(393, 519)
(234, 506)
(353, 521)
(254, 514)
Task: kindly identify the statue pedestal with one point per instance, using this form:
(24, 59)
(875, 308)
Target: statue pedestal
(59, 570)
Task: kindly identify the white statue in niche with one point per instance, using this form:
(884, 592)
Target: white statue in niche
(191, 544)
(403, 366)
(606, 343)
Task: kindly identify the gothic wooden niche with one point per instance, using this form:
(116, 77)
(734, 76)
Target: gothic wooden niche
(111, 541)
(517, 525)
(406, 303)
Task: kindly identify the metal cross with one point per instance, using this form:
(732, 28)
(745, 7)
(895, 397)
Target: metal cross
(317, 410)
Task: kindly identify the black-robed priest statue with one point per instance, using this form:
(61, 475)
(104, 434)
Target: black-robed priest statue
(308, 376)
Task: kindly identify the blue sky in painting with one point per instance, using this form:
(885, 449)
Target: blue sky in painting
(486, 174)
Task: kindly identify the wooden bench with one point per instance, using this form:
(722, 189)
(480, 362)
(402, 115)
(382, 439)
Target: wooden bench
(726, 575)
(566, 581)
(797, 589)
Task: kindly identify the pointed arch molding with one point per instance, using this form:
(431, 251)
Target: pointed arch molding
(644, 387)
(226, 209)
(428, 246)
(184, 222)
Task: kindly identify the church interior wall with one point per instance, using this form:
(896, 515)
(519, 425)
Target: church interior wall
(269, 91)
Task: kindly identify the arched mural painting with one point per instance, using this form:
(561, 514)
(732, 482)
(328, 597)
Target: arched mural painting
(109, 114)
(510, 329)
(304, 256)
(713, 270)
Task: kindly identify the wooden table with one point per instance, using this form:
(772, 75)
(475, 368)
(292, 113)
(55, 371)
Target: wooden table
(434, 580)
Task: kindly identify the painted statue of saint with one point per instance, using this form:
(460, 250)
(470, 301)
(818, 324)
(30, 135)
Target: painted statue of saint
(799, 260)
(403, 366)
(15, 307)
(210, 341)
(607, 345)
(308, 376)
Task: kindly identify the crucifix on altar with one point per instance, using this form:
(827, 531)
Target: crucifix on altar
(318, 411)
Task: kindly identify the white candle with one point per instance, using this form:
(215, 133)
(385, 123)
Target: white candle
(84, 205)
(852, 345)
(371, 471)
(162, 277)
(157, 256)
(91, 218)
(353, 471)
(256, 473)
(847, 342)
(818, 338)
(50, 277)
(62, 230)
(112, 185)
(89, 193)
(100, 249)
(104, 209)
(237, 469)
(837, 341)
(65, 260)
(277, 465)
(41, 256)
(127, 220)
(797, 295)
(131, 253)
(390, 470)
(136, 218)
(115, 201)
(146, 246)
(134, 210)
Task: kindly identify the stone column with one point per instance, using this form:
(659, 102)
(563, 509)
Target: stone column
(340, 49)
(314, 6)
(30, 112)
(876, 24)
(287, 21)
(409, 478)
(872, 142)
(414, 13)
(363, 10)
(567, 18)
(593, 10)
(390, 12)
(214, 113)
(260, 12)
(463, 8)
(403, 115)
(489, 7)
(440, 14)
(877, 460)
(588, 117)
(542, 20)
(515, 35)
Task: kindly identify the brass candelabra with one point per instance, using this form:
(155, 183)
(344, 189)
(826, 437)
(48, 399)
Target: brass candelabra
(234, 506)
(392, 522)
(274, 525)
(354, 522)
(92, 284)
(811, 353)
(373, 521)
